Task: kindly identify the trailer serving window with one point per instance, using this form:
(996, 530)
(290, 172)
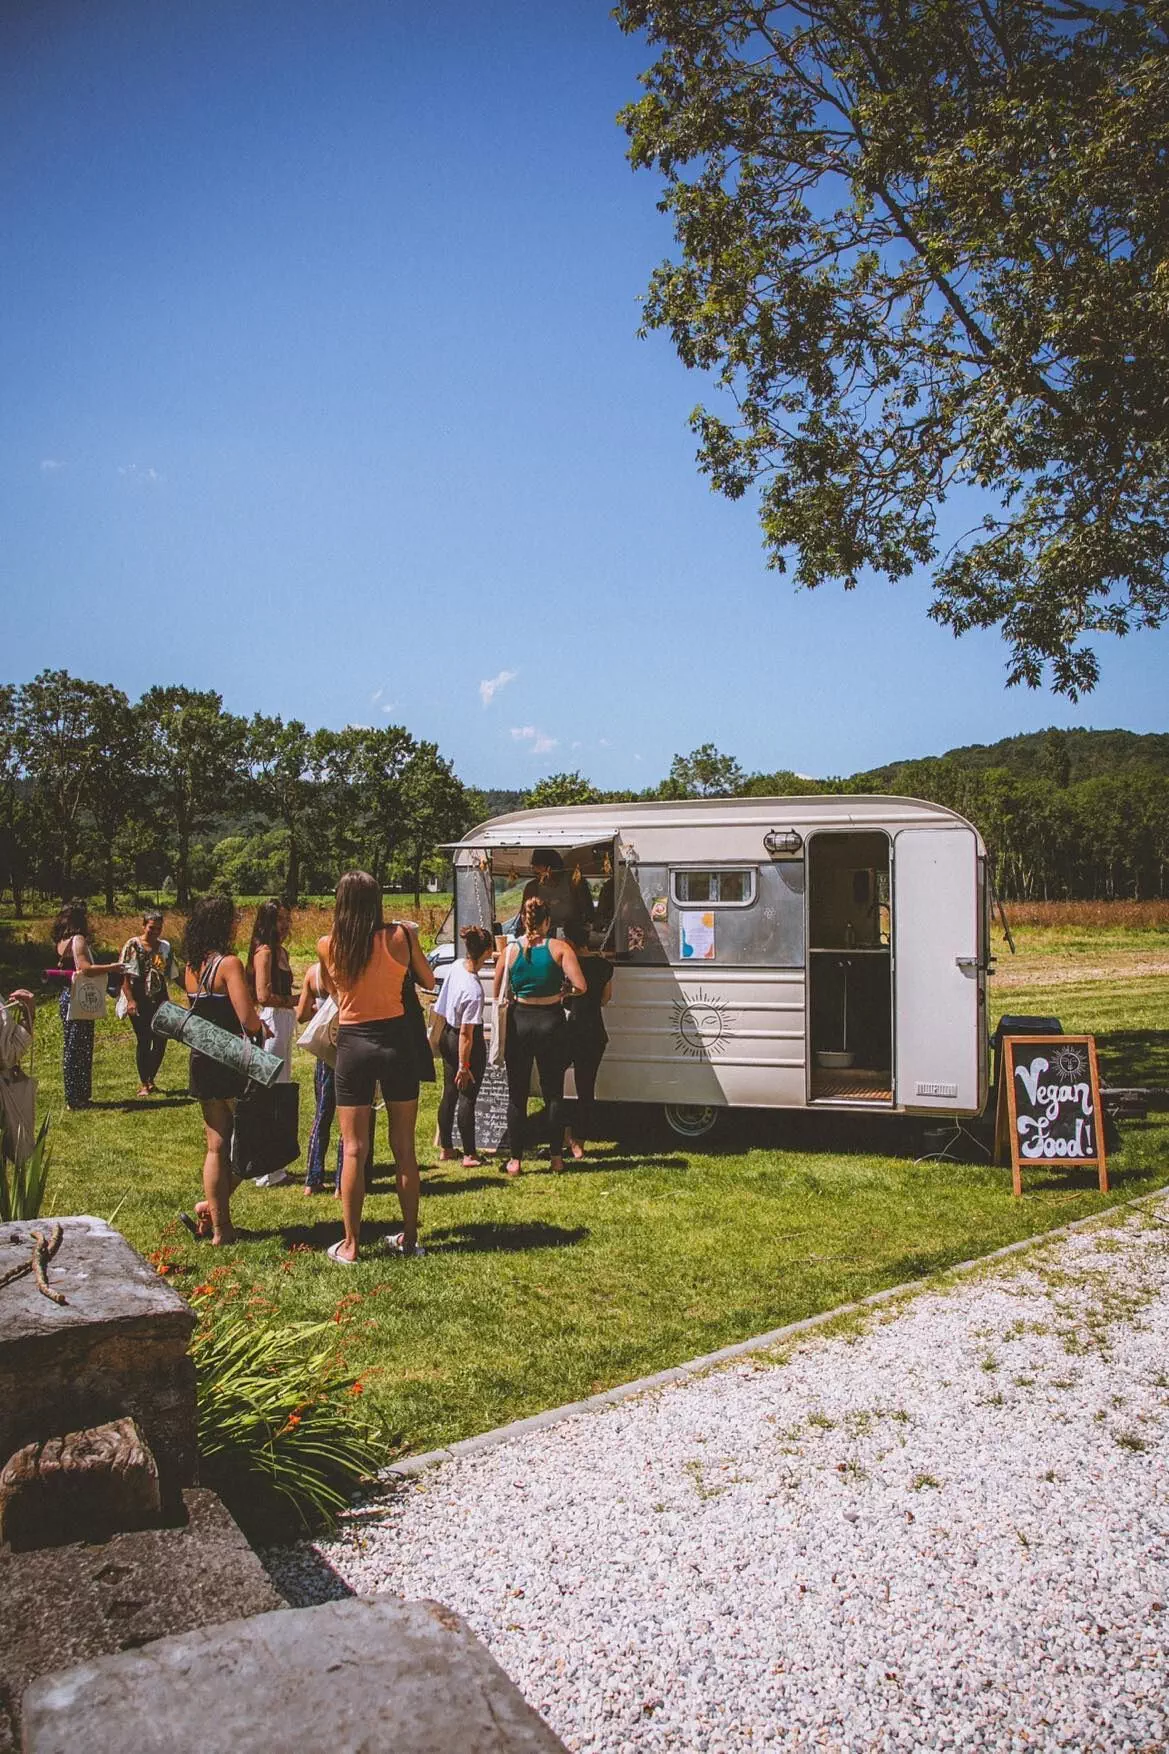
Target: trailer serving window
(714, 888)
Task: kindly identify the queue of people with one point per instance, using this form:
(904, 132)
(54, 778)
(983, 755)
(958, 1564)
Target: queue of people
(553, 987)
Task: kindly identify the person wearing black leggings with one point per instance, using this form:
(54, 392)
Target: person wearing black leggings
(537, 970)
(587, 1038)
(462, 1047)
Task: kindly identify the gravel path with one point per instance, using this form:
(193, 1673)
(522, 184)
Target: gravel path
(945, 1527)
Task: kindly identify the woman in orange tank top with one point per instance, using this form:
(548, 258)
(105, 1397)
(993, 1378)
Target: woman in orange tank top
(364, 964)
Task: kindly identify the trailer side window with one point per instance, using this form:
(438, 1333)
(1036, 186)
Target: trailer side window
(763, 927)
(720, 888)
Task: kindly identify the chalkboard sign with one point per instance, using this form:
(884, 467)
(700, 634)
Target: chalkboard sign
(1049, 1104)
(490, 1111)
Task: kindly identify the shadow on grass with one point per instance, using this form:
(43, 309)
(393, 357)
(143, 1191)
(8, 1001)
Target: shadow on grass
(133, 1104)
(503, 1238)
(1134, 1057)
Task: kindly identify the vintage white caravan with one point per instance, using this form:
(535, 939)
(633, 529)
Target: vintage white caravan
(826, 952)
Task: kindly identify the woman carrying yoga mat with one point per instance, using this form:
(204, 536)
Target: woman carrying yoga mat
(218, 991)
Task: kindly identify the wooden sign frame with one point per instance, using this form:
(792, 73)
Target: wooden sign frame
(1006, 1134)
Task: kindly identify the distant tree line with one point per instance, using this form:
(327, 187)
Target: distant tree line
(172, 792)
(1080, 815)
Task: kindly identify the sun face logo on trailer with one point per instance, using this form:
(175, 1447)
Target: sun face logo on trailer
(701, 1025)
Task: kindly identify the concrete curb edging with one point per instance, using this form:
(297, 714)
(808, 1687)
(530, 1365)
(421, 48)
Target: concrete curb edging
(488, 1440)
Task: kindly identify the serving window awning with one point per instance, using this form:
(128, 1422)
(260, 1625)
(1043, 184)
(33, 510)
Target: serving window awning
(511, 839)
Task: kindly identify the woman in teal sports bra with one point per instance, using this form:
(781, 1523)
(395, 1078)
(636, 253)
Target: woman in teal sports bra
(539, 968)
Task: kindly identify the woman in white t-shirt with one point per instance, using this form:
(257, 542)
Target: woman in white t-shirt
(463, 1049)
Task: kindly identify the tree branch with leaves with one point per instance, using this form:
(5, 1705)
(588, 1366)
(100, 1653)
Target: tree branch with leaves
(923, 248)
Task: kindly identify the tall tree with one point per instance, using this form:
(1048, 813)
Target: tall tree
(561, 788)
(435, 808)
(66, 729)
(16, 808)
(373, 761)
(922, 246)
(704, 773)
(283, 764)
(115, 792)
(194, 758)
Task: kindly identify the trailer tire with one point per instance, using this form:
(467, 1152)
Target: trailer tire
(691, 1121)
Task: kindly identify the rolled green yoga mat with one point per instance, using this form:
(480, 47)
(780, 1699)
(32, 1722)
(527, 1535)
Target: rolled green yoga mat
(218, 1044)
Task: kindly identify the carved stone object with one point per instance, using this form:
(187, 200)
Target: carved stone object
(85, 1486)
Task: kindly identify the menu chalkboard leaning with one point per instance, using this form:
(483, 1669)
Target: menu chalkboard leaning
(1049, 1105)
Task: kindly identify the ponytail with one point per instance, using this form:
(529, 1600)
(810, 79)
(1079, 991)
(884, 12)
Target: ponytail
(535, 918)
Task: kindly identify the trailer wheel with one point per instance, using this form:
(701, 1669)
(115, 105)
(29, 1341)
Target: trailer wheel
(691, 1120)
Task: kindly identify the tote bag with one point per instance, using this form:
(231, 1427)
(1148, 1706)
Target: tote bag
(266, 1131)
(496, 1052)
(87, 998)
(319, 1035)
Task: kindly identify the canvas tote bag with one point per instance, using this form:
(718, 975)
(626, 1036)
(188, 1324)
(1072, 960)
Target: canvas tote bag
(87, 998)
(500, 1014)
(319, 1035)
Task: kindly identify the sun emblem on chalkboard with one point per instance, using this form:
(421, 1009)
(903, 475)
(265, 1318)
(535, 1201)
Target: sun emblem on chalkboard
(701, 1025)
(1071, 1064)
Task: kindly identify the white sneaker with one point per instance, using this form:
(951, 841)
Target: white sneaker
(275, 1178)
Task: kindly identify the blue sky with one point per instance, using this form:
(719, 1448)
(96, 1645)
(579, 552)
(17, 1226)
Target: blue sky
(321, 387)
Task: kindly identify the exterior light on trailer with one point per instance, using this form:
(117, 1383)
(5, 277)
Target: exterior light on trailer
(784, 843)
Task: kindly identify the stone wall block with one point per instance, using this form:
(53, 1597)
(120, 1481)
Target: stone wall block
(116, 1349)
(370, 1675)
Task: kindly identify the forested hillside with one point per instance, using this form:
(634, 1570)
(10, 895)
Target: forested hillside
(1067, 756)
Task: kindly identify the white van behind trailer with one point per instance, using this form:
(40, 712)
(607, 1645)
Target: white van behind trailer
(826, 952)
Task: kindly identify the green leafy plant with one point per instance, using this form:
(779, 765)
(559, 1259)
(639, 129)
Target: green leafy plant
(22, 1185)
(281, 1436)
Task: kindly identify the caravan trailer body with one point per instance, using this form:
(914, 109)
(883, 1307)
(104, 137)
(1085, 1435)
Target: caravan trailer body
(820, 951)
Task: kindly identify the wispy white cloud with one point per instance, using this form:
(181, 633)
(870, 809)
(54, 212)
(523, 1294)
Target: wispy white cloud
(138, 473)
(489, 689)
(389, 706)
(50, 465)
(540, 742)
(376, 696)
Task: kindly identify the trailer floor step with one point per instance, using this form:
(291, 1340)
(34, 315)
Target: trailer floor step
(851, 1086)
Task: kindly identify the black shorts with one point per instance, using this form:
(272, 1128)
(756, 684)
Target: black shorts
(369, 1054)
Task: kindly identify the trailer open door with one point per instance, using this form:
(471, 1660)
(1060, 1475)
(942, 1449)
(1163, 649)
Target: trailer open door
(938, 974)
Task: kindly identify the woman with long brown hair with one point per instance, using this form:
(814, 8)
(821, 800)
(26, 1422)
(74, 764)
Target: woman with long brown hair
(365, 964)
(217, 989)
(538, 969)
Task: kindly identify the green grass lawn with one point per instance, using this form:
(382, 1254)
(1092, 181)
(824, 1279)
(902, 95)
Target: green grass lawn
(537, 1291)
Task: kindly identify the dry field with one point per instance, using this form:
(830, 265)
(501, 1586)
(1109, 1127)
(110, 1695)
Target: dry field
(1081, 941)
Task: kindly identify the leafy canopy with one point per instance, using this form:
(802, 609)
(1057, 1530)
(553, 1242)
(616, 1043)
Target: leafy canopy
(922, 246)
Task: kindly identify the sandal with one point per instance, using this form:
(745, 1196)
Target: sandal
(395, 1244)
(199, 1225)
(334, 1254)
(514, 1166)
